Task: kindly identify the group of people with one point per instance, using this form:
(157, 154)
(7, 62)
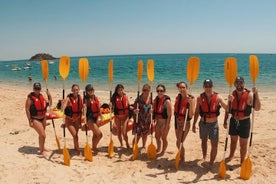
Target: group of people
(205, 108)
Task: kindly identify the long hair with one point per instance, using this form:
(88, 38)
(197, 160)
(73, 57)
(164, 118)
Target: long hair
(115, 94)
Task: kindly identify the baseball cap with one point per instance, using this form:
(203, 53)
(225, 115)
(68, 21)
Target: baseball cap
(239, 79)
(208, 82)
(89, 87)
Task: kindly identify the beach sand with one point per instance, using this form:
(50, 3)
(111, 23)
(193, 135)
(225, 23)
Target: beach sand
(21, 163)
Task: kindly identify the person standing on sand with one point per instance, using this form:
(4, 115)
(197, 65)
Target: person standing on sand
(208, 108)
(239, 129)
(93, 115)
(36, 107)
(120, 105)
(72, 106)
(142, 127)
(182, 102)
(162, 111)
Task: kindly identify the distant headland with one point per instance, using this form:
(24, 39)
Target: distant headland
(41, 56)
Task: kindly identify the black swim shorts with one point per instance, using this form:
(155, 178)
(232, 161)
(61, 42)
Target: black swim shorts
(240, 128)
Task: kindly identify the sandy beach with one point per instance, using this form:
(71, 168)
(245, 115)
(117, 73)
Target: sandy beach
(21, 163)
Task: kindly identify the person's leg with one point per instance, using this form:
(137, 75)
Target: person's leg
(158, 137)
(214, 149)
(119, 131)
(204, 147)
(72, 129)
(243, 148)
(164, 138)
(38, 126)
(233, 146)
(124, 132)
(97, 135)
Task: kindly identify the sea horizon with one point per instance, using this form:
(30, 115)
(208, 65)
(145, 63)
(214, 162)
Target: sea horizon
(169, 69)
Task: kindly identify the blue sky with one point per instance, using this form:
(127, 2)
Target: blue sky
(102, 27)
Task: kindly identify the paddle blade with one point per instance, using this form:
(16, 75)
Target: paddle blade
(177, 160)
(230, 70)
(66, 156)
(254, 67)
(110, 71)
(88, 153)
(45, 69)
(193, 69)
(246, 169)
(111, 148)
(140, 71)
(83, 68)
(58, 143)
(135, 151)
(64, 67)
(151, 151)
(150, 70)
(222, 169)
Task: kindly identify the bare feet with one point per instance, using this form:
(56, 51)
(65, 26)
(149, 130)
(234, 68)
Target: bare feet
(95, 151)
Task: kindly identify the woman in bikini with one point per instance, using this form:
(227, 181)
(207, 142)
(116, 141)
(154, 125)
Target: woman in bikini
(162, 109)
(73, 110)
(142, 127)
(183, 102)
(93, 115)
(35, 107)
(120, 105)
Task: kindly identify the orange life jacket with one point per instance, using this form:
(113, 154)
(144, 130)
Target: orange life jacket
(121, 105)
(93, 107)
(239, 106)
(159, 108)
(180, 107)
(38, 106)
(209, 110)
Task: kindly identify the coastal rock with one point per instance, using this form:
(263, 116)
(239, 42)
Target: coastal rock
(41, 56)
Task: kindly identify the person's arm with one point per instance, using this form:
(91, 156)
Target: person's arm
(256, 99)
(169, 112)
(222, 103)
(27, 110)
(192, 107)
(196, 114)
(49, 97)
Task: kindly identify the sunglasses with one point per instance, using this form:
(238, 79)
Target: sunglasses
(145, 90)
(159, 91)
(207, 86)
(37, 89)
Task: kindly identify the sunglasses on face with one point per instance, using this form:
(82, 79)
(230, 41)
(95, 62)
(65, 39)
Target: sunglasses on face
(145, 90)
(207, 86)
(159, 91)
(38, 89)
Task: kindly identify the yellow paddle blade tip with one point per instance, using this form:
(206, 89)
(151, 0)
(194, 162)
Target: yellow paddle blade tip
(246, 169)
(222, 170)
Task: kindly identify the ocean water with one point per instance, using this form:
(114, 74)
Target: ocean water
(169, 69)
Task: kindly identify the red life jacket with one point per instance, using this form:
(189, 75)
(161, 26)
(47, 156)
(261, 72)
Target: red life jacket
(209, 110)
(159, 108)
(38, 106)
(74, 108)
(93, 107)
(121, 105)
(239, 106)
(180, 107)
